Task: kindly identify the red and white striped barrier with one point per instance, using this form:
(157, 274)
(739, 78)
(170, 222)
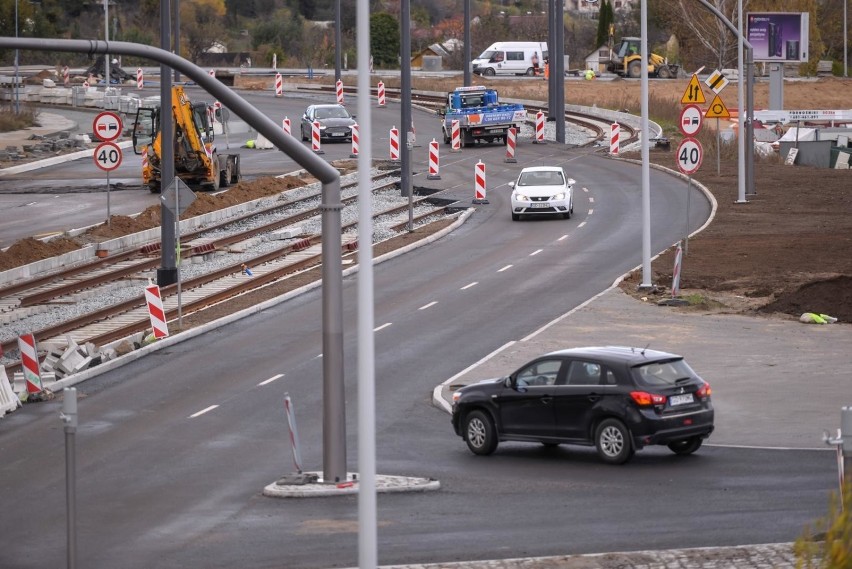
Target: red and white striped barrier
(434, 161)
(354, 153)
(294, 433)
(285, 125)
(614, 132)
(66, 76)
(455, 136)
(412, 135)
(29, 361)
(316, 142)
(479, 183)
(511, 138)
(279, 85)
(144, 158)
(380, 90)
(140, 78)
(394, 144)
(676, 273)
(539, 128)
(371, 64)
(156, 311)
(338, 87)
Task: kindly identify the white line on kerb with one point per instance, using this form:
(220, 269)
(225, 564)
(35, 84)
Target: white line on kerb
(465, 287)
(203, 411)
(563, 238)
(536, 252)
(581, 225)
(591, 200)
(507, 267)
(591, 211)
(271, 379)
(382, 327)
(586, 189)
(430, 305)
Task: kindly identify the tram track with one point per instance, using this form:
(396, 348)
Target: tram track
(130, 316)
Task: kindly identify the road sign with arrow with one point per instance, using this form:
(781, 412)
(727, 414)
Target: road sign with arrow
(693, 93)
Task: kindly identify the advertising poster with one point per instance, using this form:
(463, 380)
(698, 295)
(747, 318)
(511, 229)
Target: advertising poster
(778, 36)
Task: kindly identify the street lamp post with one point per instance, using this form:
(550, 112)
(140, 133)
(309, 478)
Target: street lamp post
(17, 98)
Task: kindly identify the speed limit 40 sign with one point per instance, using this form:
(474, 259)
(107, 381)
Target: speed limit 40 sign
(107, 156)
(689, 155)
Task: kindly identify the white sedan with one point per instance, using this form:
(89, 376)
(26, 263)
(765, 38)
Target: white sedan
(542, 190)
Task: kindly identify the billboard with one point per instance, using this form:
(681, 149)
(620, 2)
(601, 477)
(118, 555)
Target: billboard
(778, 36)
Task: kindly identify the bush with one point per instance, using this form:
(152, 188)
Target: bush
(9, 120)
(831, 546)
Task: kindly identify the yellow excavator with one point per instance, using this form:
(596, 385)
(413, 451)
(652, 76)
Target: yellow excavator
(197, 161)
(626, 61)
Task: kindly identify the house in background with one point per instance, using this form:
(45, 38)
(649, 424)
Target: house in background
(589, 8)
(434, 55)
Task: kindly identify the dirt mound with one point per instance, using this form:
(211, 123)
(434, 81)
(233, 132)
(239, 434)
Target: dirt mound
(832, 296)
(30, 250)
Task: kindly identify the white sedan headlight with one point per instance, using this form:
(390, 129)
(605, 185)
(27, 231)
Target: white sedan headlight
(560, 196)
(521, 198)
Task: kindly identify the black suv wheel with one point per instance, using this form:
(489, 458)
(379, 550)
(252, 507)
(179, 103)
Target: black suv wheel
(479, 433)
(687, 446)
(612, 440)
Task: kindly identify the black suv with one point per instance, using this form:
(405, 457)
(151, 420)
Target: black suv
(616, 398)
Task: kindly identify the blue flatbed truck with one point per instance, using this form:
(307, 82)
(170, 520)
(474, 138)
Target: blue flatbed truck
(480, 114)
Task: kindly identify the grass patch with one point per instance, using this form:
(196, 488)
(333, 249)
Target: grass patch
(9, 120)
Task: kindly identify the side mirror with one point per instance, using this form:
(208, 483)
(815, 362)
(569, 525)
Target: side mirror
(512, 184)
(353, 116)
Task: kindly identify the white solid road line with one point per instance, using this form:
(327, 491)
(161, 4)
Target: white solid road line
(430, 305)
(203, 411)
(382, 327)
(505, 268)
(470, 285)
(271, 379)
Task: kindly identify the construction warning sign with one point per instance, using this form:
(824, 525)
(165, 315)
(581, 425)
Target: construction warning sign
(693, 93)
(717, 109)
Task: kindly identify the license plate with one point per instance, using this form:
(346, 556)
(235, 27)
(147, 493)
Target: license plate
(680, 399)
(338, 134)
(539, 205)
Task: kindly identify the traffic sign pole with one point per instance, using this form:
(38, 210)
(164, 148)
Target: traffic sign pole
(107, 157)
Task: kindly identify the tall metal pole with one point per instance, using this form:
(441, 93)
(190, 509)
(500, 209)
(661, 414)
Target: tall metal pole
(69, 417)
(367, 516)
(646, 168)
(337, 46)
(467, 58)
(405, 106)
(107, 66)
(557, 69)
(167, 273)
(845, 38)
(551, 49)
(741, 132)
(17, 98)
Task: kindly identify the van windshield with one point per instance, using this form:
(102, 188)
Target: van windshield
(487, 54)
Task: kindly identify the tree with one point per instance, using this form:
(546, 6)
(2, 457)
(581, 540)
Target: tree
(201, 23)
(384, 39)
(606, 18)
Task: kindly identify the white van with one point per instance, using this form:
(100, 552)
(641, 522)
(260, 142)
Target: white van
(510, 58)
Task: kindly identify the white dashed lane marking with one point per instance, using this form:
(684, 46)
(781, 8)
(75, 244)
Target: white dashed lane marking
(471, 285)
(507, 267)
(203, 411)
(382, 327)
(536, 252)
(271, 379)
(430, 305)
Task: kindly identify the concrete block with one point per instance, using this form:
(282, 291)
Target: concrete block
(286, 233)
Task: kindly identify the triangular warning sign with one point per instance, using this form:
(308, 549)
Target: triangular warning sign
(717, 109)
(693, 93)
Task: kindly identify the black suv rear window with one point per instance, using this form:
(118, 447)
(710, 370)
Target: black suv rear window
(662, 373)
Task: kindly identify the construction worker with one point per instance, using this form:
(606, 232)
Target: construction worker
(546, 68)
(534, 61)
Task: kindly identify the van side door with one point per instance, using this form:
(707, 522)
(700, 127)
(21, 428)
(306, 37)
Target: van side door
(516, 62)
